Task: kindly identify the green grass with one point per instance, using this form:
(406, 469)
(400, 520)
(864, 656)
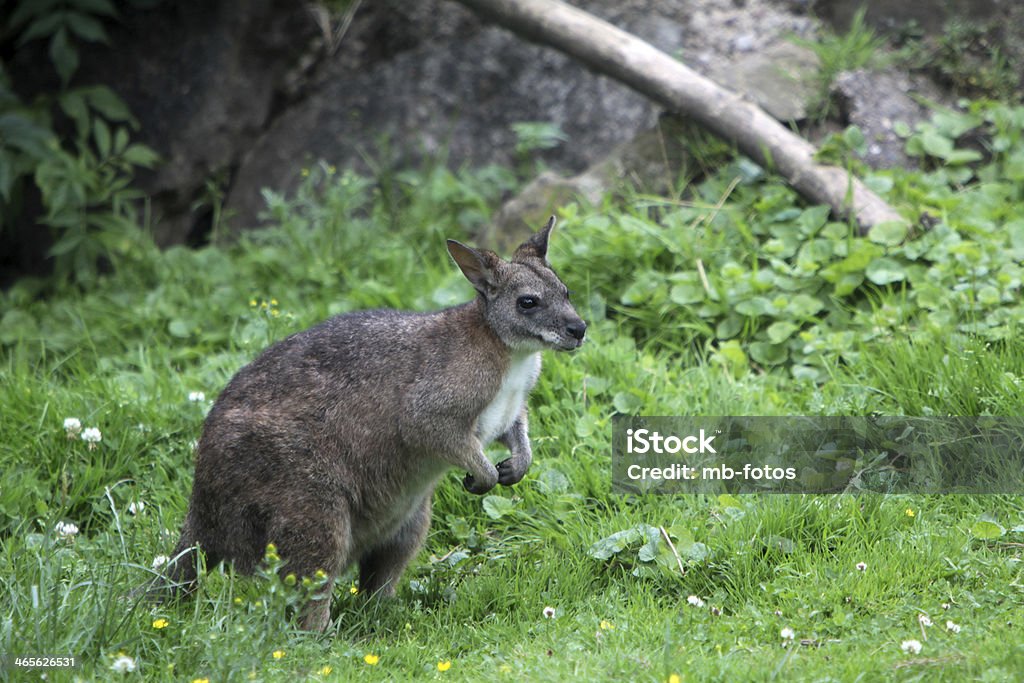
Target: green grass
(124, 355)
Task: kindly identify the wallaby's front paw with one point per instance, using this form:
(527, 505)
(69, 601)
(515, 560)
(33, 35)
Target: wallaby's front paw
(512, 470)
(473, 485)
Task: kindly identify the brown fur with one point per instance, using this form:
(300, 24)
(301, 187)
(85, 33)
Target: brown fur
(330, 443)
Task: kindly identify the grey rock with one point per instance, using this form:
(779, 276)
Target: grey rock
(874, 101)
(202, 78)
(652, 162)
(782, 79)
(454, 97)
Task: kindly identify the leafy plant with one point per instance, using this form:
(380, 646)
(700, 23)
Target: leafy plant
(84, 182)
(762, 280)
(965, 55)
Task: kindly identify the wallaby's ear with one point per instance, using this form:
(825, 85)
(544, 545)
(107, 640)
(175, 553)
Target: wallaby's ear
(537, 245)
(476, 264)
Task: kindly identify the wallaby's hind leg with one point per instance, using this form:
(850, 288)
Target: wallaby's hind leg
(308, 546)
(382, 566)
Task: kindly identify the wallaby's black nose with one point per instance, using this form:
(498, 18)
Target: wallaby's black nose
(577, 330)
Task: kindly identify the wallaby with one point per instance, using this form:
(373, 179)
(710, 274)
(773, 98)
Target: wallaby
(330, 443)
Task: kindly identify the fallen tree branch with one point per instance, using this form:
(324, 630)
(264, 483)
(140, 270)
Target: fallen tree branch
(675, 86)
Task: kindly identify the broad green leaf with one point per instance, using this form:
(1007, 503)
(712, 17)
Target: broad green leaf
(963, 156)
(768, 354)
(813, 219)
(497, 507)
(85, 27)
(614, 544)
(890, 233)
(141, 155)
(936, 144)
(64, 56)
(884, 271)
(45, 25)
(987, 530)
(627, 402)
(108, 104)
(804, 306)
(728, 327)
(101, 134)
(646, 287)
(120, 139)
(74, 105)
(586, 425)
(755, 307)
(552, 480)
(847, 283)
(686, 293)
(780, 331)
(179, 328)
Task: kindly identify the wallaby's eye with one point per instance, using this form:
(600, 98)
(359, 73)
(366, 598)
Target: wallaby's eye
(525, 303)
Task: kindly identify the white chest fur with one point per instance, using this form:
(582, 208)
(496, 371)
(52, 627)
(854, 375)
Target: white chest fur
(501, 412)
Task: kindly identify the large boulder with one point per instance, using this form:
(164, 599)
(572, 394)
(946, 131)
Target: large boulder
(203, 79)
(458, 85)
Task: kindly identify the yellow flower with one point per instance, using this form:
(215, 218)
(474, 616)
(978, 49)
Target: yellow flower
(252, 303)
(371, 659)
(238, 601)
(278, 654)
(607, 625)
(160, 623)
(200, 680)
(445, 665)
(324, 670)
(674, 678)
(910, 512)
(305, 173)
(353, 589)
(273, 302)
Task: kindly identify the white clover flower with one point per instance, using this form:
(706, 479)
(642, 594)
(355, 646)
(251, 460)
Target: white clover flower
(92, 435)
(861, 566)
(65, 529)
(695, 601)
(136, 506)
(159, 561)
(122, 664)
(950, 626)
(787, 633)
(924, 619)
(549, 612)
(72, 425)
(196, 396)
(911, 647)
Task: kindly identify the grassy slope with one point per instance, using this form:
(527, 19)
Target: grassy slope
(125, 355)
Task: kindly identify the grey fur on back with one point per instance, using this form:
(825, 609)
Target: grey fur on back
(330, 443)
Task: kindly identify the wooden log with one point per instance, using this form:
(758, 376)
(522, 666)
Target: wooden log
(669, 82)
